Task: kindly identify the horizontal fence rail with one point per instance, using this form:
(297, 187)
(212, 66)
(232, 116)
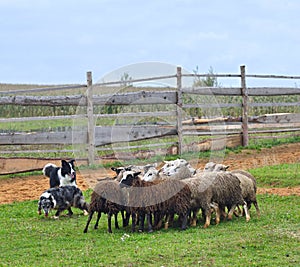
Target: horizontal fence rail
(147, 114)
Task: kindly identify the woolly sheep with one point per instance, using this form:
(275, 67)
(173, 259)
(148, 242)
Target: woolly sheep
(248, 186)
(159, 198)
(177, 172)
(106, 198)
(213, 190)
(247, 183)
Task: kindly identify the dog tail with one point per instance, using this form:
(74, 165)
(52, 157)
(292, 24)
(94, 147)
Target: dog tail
(48, 169)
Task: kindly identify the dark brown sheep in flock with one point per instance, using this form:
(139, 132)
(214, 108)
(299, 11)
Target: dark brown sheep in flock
(158, 198)
(106, 198)
(247, 183)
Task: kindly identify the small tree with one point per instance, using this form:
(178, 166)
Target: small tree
(208, 81)
(126, 80)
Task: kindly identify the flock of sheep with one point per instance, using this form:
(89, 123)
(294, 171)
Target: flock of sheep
(174, 189)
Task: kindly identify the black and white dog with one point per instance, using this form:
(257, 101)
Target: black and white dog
(60, 176)
(62, 198)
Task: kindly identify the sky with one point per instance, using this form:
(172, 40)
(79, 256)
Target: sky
(58, 41)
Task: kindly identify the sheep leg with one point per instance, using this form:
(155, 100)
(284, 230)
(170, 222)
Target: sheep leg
(238, 212)
(158, 220)
(125, 218)
(230, 213)
(149, 219)
(257, 208)
(167, 221)
(88, 221)
(141, 222)
(194, 217)
(246, 212)
(207, 218)
(215, 207)
(109, 222)
(184, 221)
(97, 221)
(116, 221)
(133, 222)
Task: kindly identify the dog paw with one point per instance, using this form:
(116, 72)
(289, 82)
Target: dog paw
(85, 213)
(56, 217)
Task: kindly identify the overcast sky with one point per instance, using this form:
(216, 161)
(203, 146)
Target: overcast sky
(57, 41)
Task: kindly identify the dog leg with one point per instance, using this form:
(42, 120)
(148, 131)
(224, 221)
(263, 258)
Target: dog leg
(70, 212)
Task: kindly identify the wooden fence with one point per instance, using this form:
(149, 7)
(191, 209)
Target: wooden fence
(170, 105)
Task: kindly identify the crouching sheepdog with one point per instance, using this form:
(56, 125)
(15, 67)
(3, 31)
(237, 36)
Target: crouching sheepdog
(60, 199)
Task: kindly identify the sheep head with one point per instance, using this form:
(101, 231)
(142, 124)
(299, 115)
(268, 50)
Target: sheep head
(129, 177)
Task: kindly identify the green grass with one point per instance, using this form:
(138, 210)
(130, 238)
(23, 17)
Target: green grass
(27, 239)
(282, 175)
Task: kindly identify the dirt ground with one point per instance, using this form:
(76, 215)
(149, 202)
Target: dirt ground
(31, 187)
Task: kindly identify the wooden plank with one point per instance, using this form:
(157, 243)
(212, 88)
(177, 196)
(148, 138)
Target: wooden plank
(194, 121)
(273, 91)
(272, 104)
(138, 80)
(230, 91)
(90, 124)
(272, 76)
(179, 111)
(213, 105)
(277, 118)
(137, 98)
(66, 138)
(43, 118)
(105, 135)
(45, 89)
(275, 131)
(216, 143)
(132, 98)
(73, 100)
(244, 106)
(139, 114)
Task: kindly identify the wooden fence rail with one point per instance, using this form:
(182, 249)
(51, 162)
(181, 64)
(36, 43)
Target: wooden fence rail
(95, 136)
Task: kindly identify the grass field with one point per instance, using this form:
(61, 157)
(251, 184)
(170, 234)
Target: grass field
(27, 239)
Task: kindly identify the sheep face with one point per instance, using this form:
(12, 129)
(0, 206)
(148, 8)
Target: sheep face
(128, 178)
(170, 167)
(215, 167)
(150, 175)
(209, 166)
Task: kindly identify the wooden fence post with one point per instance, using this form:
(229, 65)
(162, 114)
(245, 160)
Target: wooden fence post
(244, 107)
(90, 115)
(179, 110)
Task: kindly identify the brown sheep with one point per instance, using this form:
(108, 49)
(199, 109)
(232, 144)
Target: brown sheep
(158, 198)
(106, 198)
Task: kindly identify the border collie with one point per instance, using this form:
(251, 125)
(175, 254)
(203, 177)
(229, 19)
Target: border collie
(62, 198)
(60, 176)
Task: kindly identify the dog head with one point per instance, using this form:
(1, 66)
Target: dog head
(67, 168)
(46, 203)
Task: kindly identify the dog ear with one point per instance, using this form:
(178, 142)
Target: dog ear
(72, 161)
(64, 163)
(136, 174)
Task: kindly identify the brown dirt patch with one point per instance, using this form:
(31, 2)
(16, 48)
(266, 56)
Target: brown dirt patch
(31, 187)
